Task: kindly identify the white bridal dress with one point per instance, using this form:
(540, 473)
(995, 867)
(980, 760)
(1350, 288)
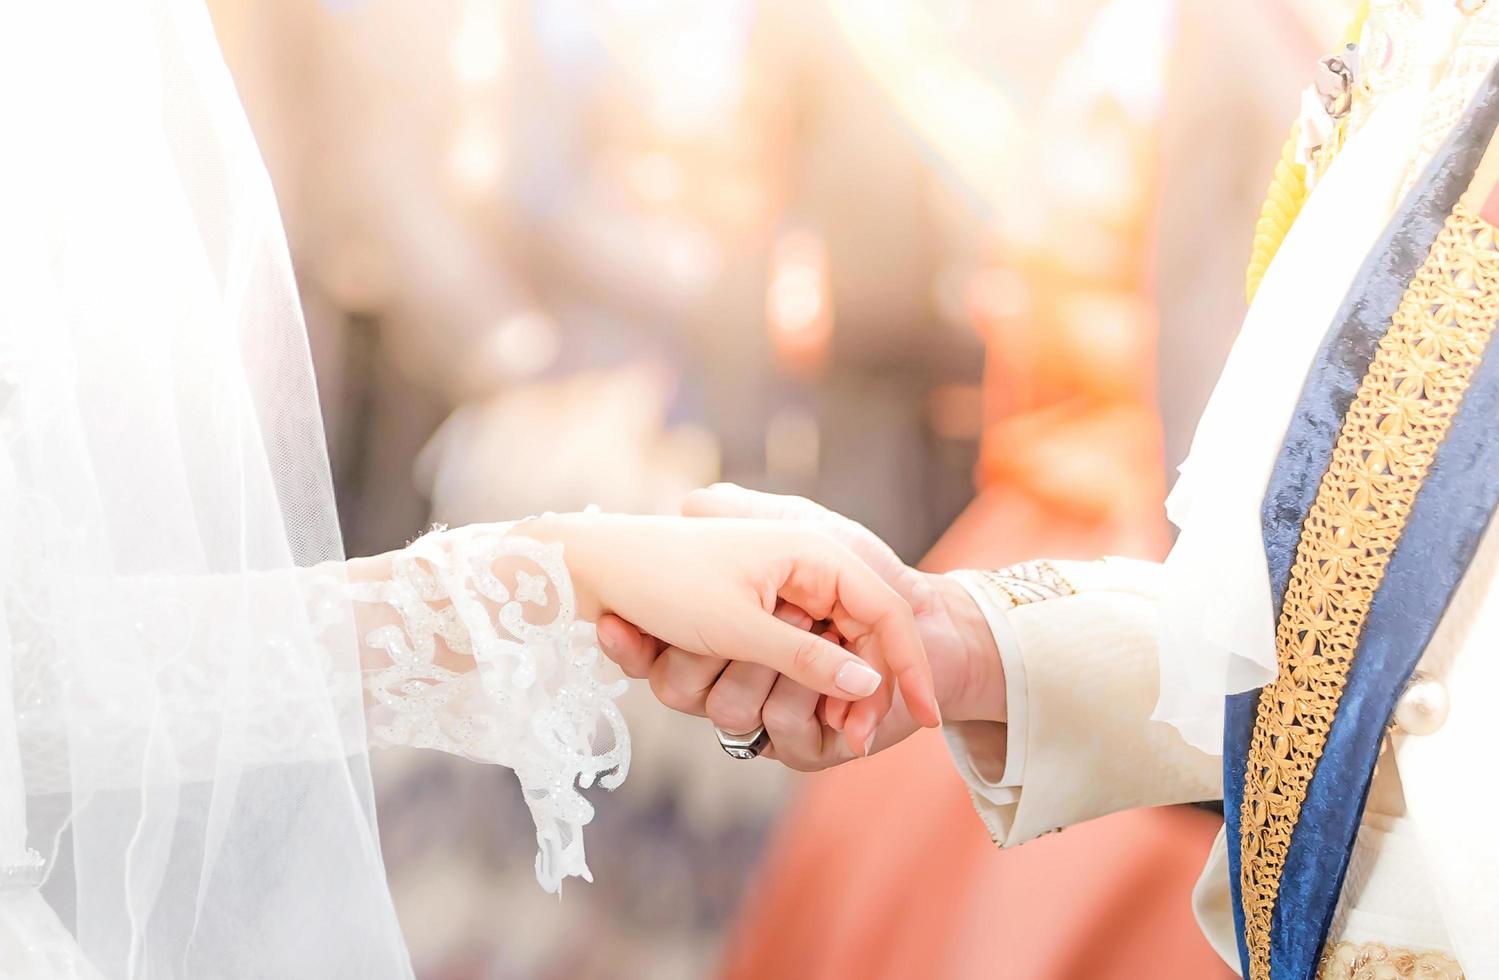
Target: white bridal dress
(191, 674)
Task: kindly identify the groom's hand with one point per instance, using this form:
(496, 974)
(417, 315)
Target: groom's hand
(739, 696)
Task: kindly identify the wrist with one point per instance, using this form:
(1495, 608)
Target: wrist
(967, 668)
(579, 536)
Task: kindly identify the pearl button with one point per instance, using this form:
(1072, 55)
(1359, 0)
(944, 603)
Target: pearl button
(1423, 707)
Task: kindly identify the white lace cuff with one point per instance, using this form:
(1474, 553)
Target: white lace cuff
(488, 661)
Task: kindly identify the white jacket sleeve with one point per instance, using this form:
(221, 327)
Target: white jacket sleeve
(1085, 635)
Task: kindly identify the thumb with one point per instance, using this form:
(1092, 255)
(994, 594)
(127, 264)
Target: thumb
(732, 500)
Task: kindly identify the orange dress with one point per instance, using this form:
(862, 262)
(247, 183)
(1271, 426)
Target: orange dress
(881, 869)
(1107, 899)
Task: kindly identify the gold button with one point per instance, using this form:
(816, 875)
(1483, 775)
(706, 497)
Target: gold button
(1423, 707)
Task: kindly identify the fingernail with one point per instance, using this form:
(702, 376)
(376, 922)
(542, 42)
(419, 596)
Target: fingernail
(858, 679)
(869, 744)
(608, 640)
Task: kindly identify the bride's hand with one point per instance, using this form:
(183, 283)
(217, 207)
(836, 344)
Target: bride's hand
(804, 727)
(712, 586)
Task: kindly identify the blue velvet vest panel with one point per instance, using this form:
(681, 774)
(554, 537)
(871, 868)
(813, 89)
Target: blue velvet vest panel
(1450, 514)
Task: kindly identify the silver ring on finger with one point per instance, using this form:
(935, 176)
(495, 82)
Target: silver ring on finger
(746, 746)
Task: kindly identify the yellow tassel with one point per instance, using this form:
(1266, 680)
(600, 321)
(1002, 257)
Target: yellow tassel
(1356, 26)
(1282, 203)
(1287, 191)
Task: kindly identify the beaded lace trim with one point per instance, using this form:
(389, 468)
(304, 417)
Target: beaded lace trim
(1401, 413)
(1472, 58)
(1385, 55)
(1027, 582)
(1376, 961)
(532, 699)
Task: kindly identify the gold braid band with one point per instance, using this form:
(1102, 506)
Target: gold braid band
(1287, 191)
(1027, 582)
(1400, 415)
(1367, 961)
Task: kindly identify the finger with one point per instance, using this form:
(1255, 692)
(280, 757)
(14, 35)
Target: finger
(860, 724)
(622, 643)
(836, 713)
(861, 719)
(832, 711)
(681, 680)
(790, 718)
(738, 696)
(732, 500)
(829, 582)
(806, 658)
(819, 589)
(794, 615)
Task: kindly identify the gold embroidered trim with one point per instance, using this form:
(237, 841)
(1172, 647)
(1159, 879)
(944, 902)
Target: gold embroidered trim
(1027, 582)
(1401, 413)
(1376, 961)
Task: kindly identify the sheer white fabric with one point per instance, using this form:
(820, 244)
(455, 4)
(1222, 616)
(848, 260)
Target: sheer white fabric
(183, 749)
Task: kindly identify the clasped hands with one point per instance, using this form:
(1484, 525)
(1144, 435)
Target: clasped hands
(764, 609)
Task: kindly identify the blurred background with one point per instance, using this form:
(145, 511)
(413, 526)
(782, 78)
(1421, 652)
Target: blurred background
(964, 271)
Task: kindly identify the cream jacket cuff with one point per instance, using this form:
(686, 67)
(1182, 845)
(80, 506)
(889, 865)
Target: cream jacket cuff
(1087, 684)
(975, 745)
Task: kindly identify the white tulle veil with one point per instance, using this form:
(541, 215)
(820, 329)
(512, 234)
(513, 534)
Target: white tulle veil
(182, 743)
